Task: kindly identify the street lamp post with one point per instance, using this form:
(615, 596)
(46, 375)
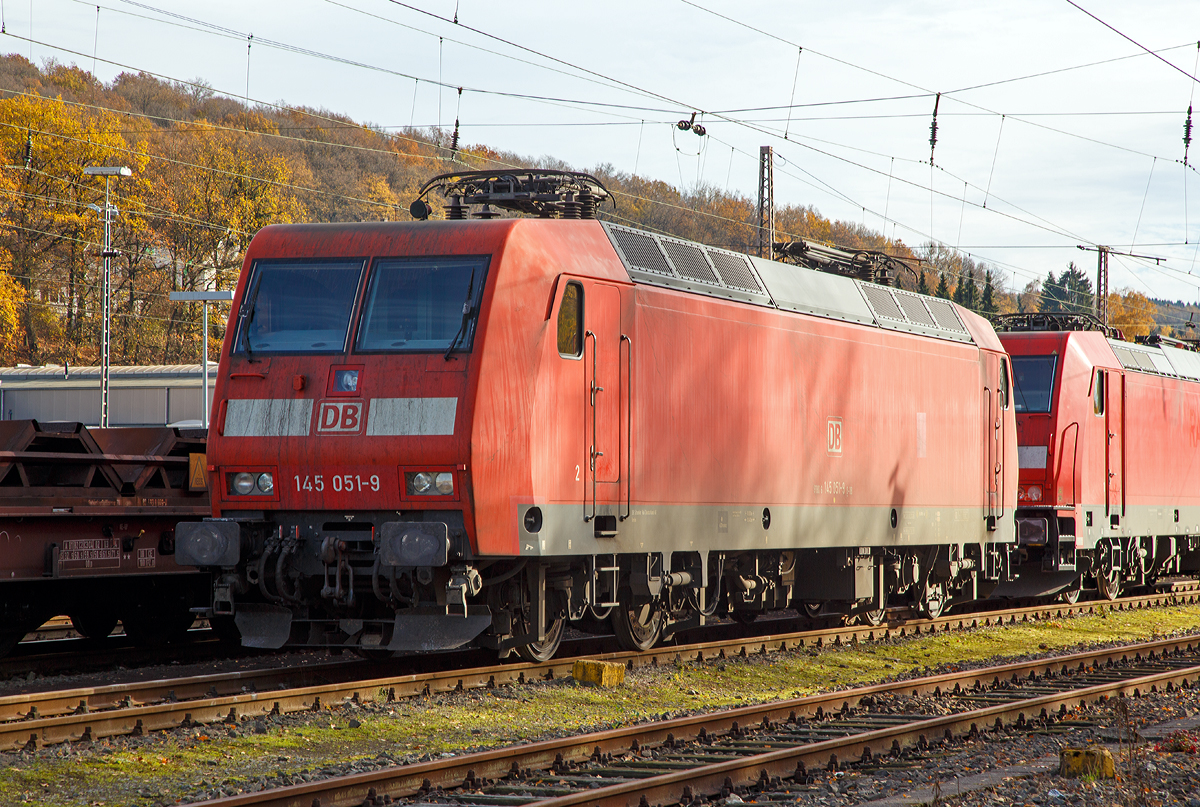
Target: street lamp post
(108, 214)
(202, 297)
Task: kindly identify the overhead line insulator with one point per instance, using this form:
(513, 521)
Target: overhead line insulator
(933, 127)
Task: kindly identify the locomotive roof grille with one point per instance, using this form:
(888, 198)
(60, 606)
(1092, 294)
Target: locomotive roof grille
(659, 260)
(734, 270)
(883, 303)
(690, 262)
(641, 251)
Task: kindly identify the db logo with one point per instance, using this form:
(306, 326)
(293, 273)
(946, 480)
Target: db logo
(833, 437)
(340, 417)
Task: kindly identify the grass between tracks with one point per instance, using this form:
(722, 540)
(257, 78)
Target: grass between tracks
(188, 764)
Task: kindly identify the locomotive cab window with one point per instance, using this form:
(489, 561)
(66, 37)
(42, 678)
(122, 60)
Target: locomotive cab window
(1098, 393)
(1004, 383)
(1033, 382)
(570, 322)
(422, 304)
(298, 307)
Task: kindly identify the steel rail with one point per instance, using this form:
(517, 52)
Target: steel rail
(33, 719)
(668, 788)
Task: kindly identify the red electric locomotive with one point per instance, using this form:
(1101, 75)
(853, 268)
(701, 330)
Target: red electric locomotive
(1109, 452)
(441, 432)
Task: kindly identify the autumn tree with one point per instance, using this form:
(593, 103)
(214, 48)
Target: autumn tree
(51, 233)
(1131, 312)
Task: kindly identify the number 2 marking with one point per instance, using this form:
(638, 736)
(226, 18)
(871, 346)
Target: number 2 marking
(576, 473)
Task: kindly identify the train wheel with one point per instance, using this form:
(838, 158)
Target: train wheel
(1108, 581)
(94, 624)
(637, 628)
(1071, 594)
(812, 609)
(874, 617)
(744, 617)
(933, 600)
(545, 649)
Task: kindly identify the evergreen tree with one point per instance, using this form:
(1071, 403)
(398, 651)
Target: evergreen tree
(943, 290)
(1053, 295)
(1070, 292)
(1077, 287)
(922, 284)
(970, 294)
(987, 303)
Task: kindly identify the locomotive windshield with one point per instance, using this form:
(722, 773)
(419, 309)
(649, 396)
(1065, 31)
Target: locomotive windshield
(1033, 382)
(293, 307)
(422, 304)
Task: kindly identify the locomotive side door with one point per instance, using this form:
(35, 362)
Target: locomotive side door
(605, 391)
(1114, 421)
(993, 425)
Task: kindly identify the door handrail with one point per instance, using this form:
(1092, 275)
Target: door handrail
(592, 450)
(628, 429)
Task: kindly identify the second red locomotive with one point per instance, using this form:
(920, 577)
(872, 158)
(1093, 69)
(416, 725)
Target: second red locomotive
(1109, 452)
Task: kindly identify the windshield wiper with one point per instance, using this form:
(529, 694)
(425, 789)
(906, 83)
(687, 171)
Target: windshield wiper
(468, 313)
(246, 316)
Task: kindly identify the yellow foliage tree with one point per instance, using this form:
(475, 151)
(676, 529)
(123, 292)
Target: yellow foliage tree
(43, 202)
(1131, 312)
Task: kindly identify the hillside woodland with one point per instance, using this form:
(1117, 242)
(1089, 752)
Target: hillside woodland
(209, 172)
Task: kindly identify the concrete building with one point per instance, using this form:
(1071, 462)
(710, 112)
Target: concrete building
(139, 396)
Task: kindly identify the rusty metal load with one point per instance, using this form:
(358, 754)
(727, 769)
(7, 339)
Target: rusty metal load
(67, 468)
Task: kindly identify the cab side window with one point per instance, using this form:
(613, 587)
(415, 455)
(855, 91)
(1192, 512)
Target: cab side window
(1098, 393)
(570, 322)
(1004, 383)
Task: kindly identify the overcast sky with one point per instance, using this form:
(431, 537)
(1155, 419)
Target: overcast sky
(1080, 143)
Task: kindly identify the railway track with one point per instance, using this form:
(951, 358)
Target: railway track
(34, 719)
(761, 747)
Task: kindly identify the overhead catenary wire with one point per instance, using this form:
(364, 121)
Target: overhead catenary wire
(731, 155)
(834, 156)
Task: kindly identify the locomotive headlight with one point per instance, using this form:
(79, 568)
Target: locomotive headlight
(1021, 494)
(429, 483)
(421, 484)
(266, 483)
(243, 484)
(1034, 493)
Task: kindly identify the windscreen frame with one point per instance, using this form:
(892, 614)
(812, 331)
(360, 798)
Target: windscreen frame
(250, 297)
(1018, 394)
(465, 341)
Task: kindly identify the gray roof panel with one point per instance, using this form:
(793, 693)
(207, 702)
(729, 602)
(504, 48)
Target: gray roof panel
(1185, 362)
(795, 288)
